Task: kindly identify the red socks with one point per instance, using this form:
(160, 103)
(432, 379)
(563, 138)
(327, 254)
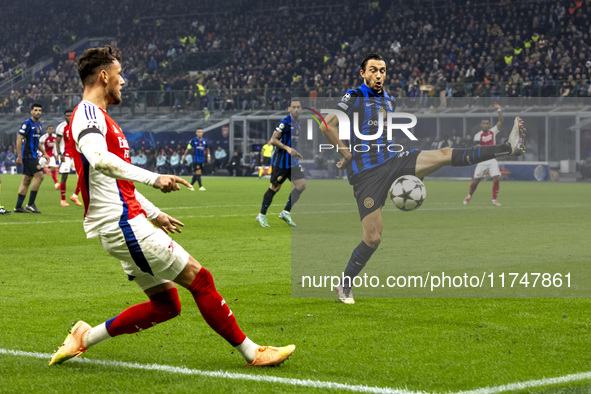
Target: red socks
(214, 309)
(63, 191)
(495, 190)
(166, 305)
(54, 174)
(161, 307)
(472, 188)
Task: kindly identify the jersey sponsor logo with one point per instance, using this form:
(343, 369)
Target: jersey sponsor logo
(123, 143)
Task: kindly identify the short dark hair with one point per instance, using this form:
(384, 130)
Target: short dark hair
(93, 60)
(68, 110)
(368, 57)
(36, 105)
(294, 99)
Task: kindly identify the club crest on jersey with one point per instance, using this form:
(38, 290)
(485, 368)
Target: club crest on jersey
(368, 202)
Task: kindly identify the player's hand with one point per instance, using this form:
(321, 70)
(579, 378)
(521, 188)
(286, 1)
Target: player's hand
(62, 158)
(295, 154)
(46, 157)
(344, 162)
(167, 223)
(19, 160)
(169, 183)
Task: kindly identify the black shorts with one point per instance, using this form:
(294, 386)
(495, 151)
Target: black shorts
(31, 167)
(266, 161)
(197, 166)
(279, 175)
(371, 187)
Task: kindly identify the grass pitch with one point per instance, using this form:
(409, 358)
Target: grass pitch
(51, 276)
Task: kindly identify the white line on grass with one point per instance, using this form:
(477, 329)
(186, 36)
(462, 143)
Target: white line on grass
(223, 375)
(530, 384)
(320, 212)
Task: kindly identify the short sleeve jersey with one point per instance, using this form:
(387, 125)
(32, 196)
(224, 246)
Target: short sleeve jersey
(486, 138)
(290, 131)
(67, 147)
(31, 131)
(198, 146)
(48, 143)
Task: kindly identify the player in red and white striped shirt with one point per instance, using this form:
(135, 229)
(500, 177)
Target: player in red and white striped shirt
(66, 148)
(486, 137)
(48, 141)
(133, 230)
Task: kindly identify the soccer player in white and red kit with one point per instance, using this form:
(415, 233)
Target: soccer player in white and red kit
(48, 141)
(65, 149)
(133, 230)
(486, 137)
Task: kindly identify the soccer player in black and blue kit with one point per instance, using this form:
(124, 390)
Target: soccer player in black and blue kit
(199, 145)
(372, 171)
(27, 143)
(285, 165)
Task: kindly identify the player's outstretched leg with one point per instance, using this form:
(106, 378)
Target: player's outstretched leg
(429, 161)
(162, 306)
(220, 318)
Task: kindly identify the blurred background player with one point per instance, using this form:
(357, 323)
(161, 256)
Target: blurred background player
(266, 155)
(199, 146)
(487, 137)
(27, 144)
(134, 231)
(47, 140)
(64, 146)
(285, 165)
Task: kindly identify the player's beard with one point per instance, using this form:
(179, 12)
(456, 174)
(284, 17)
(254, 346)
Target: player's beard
(115, 97)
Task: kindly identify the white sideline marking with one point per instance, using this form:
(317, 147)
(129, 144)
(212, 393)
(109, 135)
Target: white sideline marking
(306, 382)
(222, 374)
(352, 210)
(530, 384)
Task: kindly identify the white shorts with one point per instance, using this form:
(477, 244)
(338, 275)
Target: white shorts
(66, 165)
(51, 163)
(490, 166)
(143, 248)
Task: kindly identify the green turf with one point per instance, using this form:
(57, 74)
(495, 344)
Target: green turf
(51, 276)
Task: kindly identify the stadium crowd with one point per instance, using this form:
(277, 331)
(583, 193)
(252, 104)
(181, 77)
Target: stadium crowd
(264, 56)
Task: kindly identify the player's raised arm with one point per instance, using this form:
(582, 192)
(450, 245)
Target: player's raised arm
(500, 112)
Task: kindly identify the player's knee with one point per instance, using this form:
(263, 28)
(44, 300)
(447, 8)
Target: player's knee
(301, 187)
(446, 152)
(167, 304)
(373, 240)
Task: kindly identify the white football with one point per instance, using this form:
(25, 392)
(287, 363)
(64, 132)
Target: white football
(408, 192)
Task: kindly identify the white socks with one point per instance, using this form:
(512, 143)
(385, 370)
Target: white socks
(247, 349)
(95, 335)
